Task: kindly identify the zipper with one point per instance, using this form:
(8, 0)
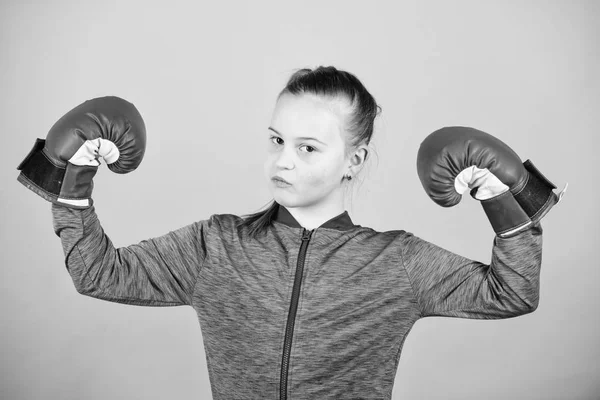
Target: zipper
(289, 329)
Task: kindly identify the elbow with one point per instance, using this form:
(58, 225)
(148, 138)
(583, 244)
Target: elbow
(530, 305)
(523, 305)
(534, 300)
(534, 305)
(529, 298)
(85, 291)
(84, 287)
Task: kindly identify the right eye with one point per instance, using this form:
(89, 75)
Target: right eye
(275, 137)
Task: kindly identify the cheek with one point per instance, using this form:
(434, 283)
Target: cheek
(320, 175)
(269, 163)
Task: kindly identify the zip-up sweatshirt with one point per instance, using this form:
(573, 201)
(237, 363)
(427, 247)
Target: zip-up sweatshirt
(297, 313)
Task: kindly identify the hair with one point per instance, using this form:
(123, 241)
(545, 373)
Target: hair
(333, 84)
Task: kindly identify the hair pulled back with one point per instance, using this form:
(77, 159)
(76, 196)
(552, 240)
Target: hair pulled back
(331, 83)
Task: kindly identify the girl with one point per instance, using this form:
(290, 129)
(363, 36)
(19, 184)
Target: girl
(296, 301)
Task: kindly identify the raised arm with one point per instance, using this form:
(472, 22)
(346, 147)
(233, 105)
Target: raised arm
(449, 285)
(515, 197)
(156, 272)
(60, 169)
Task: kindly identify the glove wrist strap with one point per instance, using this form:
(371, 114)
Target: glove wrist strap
(505, 214)
(510, 213)
(61, 184)
(536, 197)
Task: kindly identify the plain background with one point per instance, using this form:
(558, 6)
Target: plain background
(205, 76)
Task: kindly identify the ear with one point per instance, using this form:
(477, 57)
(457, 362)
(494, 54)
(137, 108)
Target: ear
(358, 159)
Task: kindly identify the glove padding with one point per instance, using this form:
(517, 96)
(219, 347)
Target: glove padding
(61, 167)
(513, 194)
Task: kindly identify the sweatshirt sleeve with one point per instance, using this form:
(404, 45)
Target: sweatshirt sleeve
(156, 272)
(449, 285)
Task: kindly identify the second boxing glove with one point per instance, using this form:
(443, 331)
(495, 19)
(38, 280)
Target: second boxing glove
(61, 167)
(513, 194)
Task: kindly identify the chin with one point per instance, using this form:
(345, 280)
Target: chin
(289, 201)
(284, 201)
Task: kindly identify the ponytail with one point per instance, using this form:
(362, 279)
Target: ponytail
(261, 220)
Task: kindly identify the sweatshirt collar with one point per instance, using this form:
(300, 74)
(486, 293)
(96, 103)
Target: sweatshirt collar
(341, 222)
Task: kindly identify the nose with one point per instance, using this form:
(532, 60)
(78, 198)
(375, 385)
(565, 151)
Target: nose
(284, 160)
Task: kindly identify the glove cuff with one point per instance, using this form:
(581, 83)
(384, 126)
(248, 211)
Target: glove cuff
(505, 214)
(537, 196)
(510, 213)
(47, 177)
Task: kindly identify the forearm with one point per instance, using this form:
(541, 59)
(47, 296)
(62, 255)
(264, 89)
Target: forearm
(515, 267)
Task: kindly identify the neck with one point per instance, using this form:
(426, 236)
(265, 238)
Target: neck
(313, 216)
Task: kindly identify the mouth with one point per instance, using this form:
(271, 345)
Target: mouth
(278, 179)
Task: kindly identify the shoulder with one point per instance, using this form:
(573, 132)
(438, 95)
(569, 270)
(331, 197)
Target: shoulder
(382, 234)
(399, 240)
(224, 222)
(395, 237)
(226, 219)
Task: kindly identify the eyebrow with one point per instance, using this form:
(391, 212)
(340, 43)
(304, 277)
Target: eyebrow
(299, 138)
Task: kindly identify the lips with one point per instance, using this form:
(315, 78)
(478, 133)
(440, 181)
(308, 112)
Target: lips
(277, 178)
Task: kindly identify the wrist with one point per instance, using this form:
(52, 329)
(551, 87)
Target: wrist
(505, 214)
(67, 184)
(510, 213)
(536, 197)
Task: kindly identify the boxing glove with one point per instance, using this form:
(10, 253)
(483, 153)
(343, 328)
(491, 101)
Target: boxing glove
(513, 194)
(60, 168)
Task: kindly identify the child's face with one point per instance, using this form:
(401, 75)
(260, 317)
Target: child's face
(314, 170)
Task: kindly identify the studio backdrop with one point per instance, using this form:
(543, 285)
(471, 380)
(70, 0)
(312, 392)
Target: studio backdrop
(205, 76)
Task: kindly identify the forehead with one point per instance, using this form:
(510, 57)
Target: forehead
(308, 115)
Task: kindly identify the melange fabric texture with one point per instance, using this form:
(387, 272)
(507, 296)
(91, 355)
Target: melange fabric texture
(300, 314)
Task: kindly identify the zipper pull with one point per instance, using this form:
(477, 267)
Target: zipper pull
(306, 234)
